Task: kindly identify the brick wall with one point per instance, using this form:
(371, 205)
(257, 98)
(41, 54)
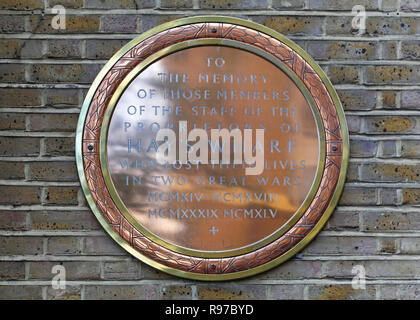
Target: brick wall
(44, 219)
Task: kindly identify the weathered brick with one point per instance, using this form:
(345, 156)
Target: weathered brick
(12, 170)
(176, 292)
(59, 146)
(16, 48)
(410, 99)
(75, 270)
(13, 220)
(102, 246)
(18, 195)
(390, 50)
(389, 196)
(150, 273)
(10, 48)
(352, 172)
(357, 99)
(389, 172)
(389, 5)
(17, 97)
(11, 270)
(67, 49)
(363, 148)
(32, 49)
(389, 99)
(74, 24)
(339, 26)
(151, 21)
(343, 221)
(336, 5)
(341, 269)
(61, 98)
(410, 5)
(121, 270)
(119, 4)
(411, 196)
(12, 121)
(233, 4)
(20, 292)
(392, 25)
(291, 4)
(12, 23)
(340, 292)
(64, 220)
(12, 73)
(231, 292)
(53, 122)
(341, 246)
(53, 171)
(388, 149)
(410, 50)
(61, 196)
(119, 23)
(285, 292)
(358, 196)
(344, 74)
(391, 124)
(353, 124)
(400, 292)
(18, 146)
(121, 292)
(56, 73)
(410, 246)
(292, 25)
(388, 245)
(22, 4)
(69, 293)
(64, 246)
(327, 50)
(399, 269)
(10, 246)
(391, 221)
(392, 74)
(71, 4)
(103, 49)
(176, 4)
(294, 269)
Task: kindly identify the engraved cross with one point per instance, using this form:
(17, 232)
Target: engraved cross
(213, 230)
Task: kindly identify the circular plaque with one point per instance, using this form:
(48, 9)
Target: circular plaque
(212, 148)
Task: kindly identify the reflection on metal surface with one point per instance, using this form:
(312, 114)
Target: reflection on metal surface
(212, 207)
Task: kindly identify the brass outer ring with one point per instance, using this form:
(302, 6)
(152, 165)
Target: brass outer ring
(260, 268)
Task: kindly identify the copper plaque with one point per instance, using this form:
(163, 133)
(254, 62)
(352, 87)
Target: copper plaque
(212, 148)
